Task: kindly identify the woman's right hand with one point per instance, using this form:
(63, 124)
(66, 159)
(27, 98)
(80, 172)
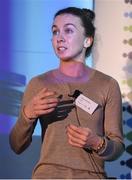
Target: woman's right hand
(43, 103)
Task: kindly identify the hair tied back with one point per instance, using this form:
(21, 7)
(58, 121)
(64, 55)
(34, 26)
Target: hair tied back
(89, 14)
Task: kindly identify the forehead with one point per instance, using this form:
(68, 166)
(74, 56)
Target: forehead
(63, 19)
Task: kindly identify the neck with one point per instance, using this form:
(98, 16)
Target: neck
(73, 69)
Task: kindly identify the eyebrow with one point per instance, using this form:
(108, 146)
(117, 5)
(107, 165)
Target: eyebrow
(55, 26)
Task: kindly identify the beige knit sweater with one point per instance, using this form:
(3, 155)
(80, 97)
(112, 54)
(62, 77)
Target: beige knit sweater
(72, 162)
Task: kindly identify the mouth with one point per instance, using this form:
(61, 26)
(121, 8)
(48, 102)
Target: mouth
(61, 49)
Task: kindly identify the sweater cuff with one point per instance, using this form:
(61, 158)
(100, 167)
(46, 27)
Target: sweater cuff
(107, 148)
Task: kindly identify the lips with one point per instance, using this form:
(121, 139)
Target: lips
(61, 48)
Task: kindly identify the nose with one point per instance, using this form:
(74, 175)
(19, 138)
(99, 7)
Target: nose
(60, 38)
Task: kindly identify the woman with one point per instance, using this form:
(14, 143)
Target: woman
(79, 108)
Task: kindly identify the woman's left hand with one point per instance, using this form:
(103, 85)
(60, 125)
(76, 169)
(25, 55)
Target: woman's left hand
(82, 137)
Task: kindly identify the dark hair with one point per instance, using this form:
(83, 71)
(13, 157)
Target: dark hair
(87, 17)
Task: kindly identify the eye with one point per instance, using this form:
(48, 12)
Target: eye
(68, 31)
(55, 32)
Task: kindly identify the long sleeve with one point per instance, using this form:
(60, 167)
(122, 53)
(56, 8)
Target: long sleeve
(21, 134)
(113, 123)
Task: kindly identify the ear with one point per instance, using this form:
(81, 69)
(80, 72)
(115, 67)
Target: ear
(87, 42)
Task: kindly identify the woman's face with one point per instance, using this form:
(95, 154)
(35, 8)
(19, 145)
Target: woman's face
(68, 37)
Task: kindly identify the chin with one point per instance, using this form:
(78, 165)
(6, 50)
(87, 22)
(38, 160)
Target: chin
(64, 58)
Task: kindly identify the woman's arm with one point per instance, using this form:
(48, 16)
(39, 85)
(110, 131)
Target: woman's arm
(37, 101)
(110, 146)
(114, 145)
(21, 134)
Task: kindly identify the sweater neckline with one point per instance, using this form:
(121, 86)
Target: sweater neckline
(61, 77)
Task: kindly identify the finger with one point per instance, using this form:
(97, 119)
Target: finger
(75, 140)
(79, 130)
(45, 106)
(77, 134)
(46, 102)
(43, 112)
(43, 100)
(74, 144)
(42, 91)
(49, 101)
(45, 93)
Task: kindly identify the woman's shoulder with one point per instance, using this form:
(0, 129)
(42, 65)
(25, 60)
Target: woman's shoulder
(39, 81)
(105, 83)
(43, 76)
(104, 77)
(104, 80)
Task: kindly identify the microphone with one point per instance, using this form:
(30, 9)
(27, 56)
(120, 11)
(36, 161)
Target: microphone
(75, 94)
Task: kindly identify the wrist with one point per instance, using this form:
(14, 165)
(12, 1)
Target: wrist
(27, 117)
(100, 146)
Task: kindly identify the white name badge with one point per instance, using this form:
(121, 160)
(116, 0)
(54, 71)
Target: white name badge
(86, 104)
